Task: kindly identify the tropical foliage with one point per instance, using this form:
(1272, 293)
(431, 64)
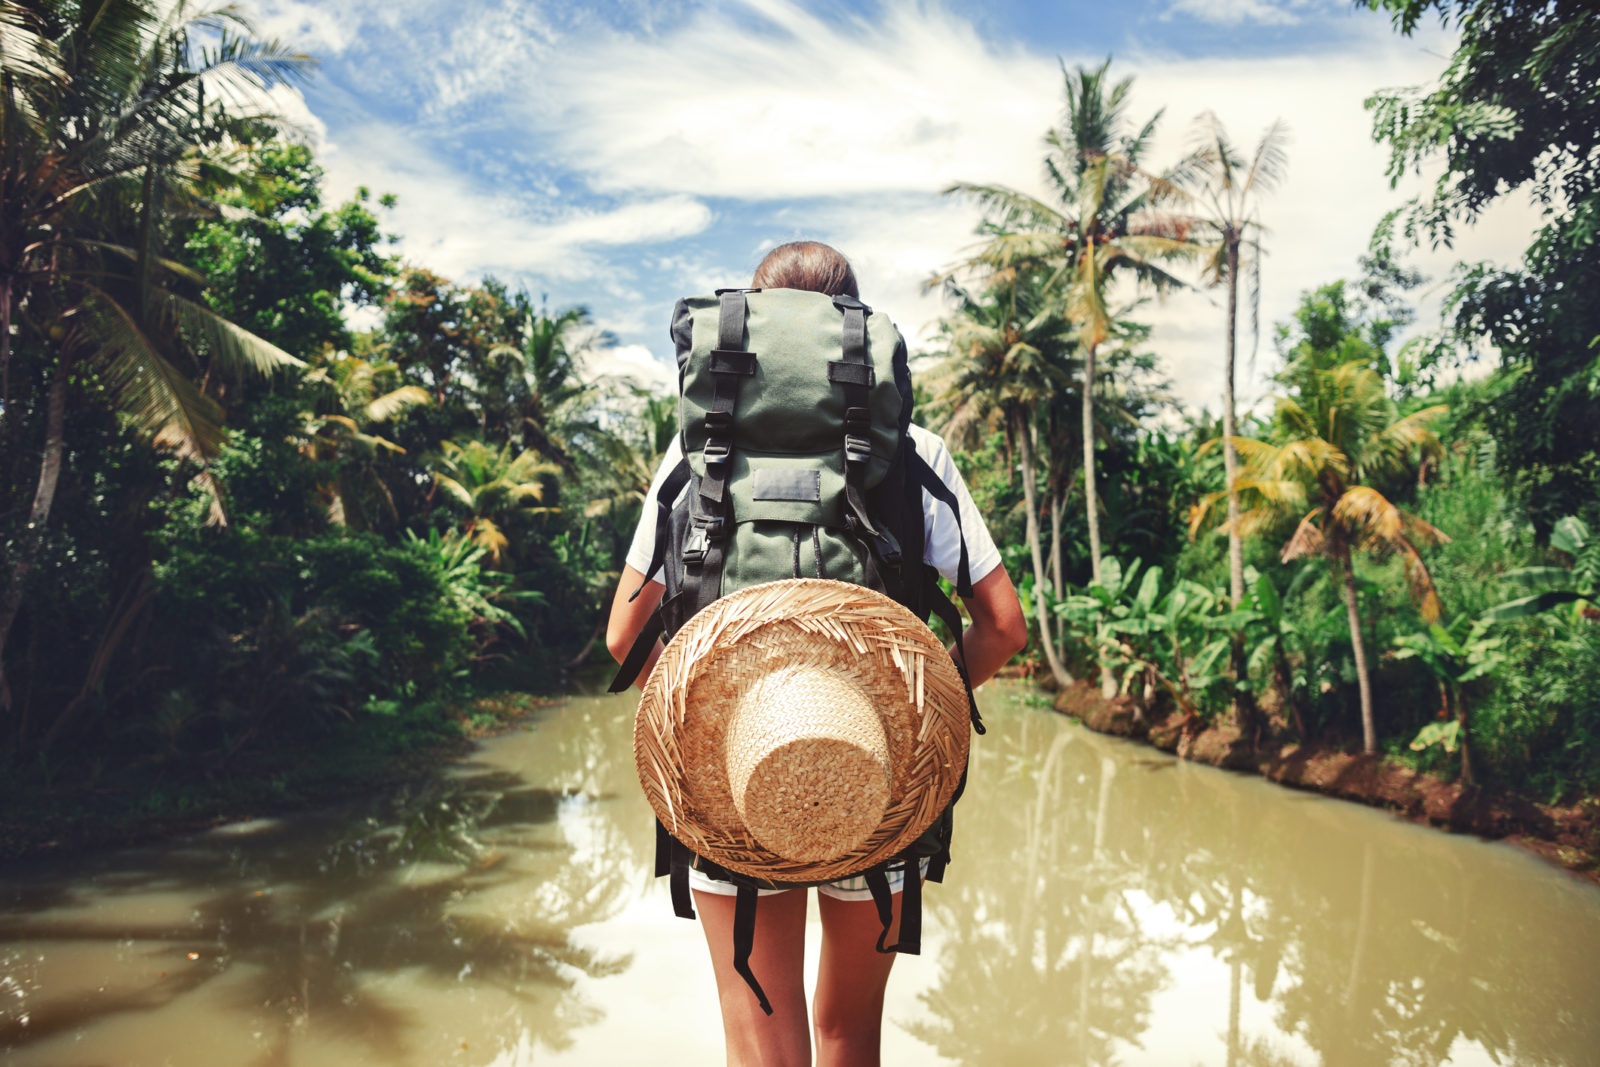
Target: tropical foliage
(235, 523)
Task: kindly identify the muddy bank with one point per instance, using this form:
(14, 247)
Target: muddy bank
(1568, 836)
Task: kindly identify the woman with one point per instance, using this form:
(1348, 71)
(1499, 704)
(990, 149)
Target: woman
(847, 1010)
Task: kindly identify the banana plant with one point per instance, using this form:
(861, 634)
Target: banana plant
(1555, 586)
(1455, 655)
(1274, 647)
(1144, 633)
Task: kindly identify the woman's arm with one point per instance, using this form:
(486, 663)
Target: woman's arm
(627, 619)
(998, 631)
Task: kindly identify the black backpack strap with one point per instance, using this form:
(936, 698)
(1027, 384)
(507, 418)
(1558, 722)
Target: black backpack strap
(704, 547)
(942, 607)
(633, 662)
(654, 626)
(854, 374)
(678, 881)
(930, 480)
(744, 937)
(666, 496)
(910, 941)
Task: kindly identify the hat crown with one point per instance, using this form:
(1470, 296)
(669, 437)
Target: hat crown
(808, 763)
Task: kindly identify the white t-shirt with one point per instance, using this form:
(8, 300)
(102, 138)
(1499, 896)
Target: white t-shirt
(942, 540)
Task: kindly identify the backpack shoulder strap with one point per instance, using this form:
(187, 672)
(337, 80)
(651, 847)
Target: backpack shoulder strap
(654, 626)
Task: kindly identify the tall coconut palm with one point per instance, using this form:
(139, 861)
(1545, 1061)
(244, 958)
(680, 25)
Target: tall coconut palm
(107, 114)
(545, 389)
(1229, 186)
(1003, 363)
(1334, 436)
(1110, 217)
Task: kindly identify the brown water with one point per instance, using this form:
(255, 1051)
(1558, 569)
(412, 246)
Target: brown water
(1106, 905)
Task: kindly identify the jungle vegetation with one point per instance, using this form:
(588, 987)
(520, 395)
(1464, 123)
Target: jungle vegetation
(235, 529)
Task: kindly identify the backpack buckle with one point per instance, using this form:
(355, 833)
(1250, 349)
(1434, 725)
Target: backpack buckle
(857, 449)
(702, 532)
(717, 451)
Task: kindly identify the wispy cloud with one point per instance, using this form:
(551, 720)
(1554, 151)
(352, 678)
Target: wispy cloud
(628, 165)
(1234, 12)
(454, 225)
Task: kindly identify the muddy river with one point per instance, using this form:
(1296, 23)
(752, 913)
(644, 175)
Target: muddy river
(1106, 904)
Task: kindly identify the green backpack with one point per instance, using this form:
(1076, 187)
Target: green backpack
(794, 410)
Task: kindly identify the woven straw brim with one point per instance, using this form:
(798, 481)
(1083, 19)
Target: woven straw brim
(864, 639)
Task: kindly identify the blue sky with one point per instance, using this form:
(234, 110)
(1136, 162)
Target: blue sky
(620, 155)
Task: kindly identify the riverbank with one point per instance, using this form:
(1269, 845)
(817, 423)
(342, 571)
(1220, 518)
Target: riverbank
(1568, 836)
(88, 803)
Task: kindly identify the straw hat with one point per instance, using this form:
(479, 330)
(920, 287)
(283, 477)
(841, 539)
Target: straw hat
(801, 730)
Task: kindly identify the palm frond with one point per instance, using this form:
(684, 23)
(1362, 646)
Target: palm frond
(236, 350)
(161, 404)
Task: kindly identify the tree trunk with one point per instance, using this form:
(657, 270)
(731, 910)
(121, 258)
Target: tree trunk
(5, 345)
(1461, 738)
(1091, 499)
(1358, 648)
(1057, 671)
(33, 536)
(1230, 430)
(1058, 580)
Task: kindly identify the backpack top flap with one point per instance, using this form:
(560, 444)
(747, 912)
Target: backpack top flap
(787, 404)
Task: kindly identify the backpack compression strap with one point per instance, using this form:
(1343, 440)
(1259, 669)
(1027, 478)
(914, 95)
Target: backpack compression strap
(633, 662)
(855, 375)
(706, 542)
(909, 940)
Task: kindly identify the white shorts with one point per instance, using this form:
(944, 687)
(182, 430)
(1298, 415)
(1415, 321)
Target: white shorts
(854, 888)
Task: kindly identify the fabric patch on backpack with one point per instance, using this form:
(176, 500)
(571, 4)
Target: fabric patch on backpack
(786, 483)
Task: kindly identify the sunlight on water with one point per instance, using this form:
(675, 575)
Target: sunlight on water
(1107, 904)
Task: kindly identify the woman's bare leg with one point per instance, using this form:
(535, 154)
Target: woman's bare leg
(848, 1007)
(755, 1039)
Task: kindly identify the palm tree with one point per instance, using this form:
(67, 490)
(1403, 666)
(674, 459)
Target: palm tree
(494, 486)
(1110, 218)
(545, 388)
(1336, 435)
(355, 397)
(1229, 185)
(1003, 363)
(105, 121)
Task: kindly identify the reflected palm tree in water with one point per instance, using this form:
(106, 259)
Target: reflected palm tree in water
(1054, 949)
(1362, 942)
(308, 918)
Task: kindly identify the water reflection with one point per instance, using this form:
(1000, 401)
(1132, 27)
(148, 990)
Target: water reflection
(1100, 890)
(1107, 905)
(301, 928)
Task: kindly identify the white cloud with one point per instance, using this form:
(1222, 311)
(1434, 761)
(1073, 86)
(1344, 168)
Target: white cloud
(863, 124)
(1233, 12)
(634, 363)
(320, 29)
(456, 227)
(843, 129)
(792, 105)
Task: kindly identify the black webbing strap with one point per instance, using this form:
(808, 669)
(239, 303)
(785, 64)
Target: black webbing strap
(945, 610)
(678, 882)
(942, 493)
(638, 652)
(664, 843)
(854, 375)
(910, 941)
(728, 363)
(666, 496)
(744, 937)
(883, 900)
